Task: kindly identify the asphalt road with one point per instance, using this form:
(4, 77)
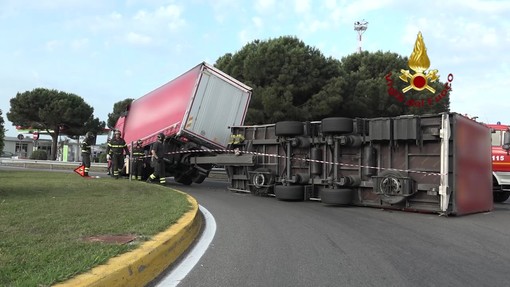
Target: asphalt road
(266, 242)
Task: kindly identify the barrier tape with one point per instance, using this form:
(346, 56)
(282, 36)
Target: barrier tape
(305, 159)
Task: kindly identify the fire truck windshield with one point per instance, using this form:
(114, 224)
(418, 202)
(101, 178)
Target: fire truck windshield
(496, 138)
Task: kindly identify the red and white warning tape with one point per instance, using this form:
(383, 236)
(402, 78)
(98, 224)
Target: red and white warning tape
(307, 160)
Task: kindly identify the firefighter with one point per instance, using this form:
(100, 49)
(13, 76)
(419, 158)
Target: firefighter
(116, 150)
(157, 154)
(138, 161)
(86, 151)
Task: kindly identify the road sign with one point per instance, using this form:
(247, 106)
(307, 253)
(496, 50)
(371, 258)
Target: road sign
(21, 137)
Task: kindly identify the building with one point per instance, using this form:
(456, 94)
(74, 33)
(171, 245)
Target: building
(23, 148)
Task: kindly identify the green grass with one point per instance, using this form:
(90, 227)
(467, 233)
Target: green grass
(44, 217)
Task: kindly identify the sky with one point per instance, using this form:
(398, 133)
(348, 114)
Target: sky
(106, 51)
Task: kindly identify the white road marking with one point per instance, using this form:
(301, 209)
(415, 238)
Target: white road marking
(180, 271)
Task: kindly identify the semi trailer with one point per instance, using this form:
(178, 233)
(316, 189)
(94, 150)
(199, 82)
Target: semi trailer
(439, 163)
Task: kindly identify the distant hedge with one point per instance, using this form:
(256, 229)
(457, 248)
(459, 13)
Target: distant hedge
(102, 157)
(39, 154)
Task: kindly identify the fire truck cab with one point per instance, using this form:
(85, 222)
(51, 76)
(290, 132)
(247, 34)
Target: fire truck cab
(500, 161)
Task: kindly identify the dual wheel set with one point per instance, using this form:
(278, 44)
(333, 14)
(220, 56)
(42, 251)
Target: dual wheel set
(393, 187)
(263, 180)
(263, 183)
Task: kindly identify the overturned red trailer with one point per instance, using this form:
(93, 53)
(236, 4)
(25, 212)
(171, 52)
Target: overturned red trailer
(437, 163)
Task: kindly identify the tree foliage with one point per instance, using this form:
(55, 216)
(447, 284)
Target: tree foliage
(53, 111)
(2, 132)
(293, 81)
(366, 88)
(284, 73)
(119, 108)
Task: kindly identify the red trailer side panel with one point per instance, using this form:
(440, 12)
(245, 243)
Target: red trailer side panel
(161, 110)
(473, 179)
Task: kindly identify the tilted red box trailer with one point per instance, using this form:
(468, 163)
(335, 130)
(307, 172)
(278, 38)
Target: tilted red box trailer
(194, 111)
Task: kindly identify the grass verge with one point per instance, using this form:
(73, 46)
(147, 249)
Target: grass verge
(44, 217)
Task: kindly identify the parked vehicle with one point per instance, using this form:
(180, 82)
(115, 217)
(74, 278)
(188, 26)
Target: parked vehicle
(500, 161)
(7, 154)
(194, 111)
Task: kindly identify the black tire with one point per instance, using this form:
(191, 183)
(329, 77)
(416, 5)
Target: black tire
(289, 192)
(199, 178)
(500, 196)
(340, 196)
(183, 179)
(337, 125)
(289, 128)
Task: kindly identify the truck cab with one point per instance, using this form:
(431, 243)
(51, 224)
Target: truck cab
(500, 161)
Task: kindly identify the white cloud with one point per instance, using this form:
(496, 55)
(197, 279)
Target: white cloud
(313, 26)
(116, 16)
(302, 6)
(80, 43)
(244, 37)
(354, 10)
(138, 39)
(169, 16)
(330, 4)
(257, 21)
(56, 4)
(141, 15)
(222, 9)
(263, 6)
(52, 45)
(498, 7)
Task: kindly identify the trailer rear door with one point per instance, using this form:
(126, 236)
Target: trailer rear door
(219, 102)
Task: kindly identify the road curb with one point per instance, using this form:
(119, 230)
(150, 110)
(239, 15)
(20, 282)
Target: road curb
(144, 264)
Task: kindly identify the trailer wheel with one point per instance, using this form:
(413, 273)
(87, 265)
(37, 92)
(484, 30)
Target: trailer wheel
(339, 196)
(289, 128)
(199, 178)
(183, 179)
(337, 125)
(500, 196)
(289, 192)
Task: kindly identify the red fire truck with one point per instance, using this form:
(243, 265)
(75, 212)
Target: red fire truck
(500, 161)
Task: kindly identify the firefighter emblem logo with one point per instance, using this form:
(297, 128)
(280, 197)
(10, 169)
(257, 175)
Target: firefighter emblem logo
(418, 79)
(419, 62)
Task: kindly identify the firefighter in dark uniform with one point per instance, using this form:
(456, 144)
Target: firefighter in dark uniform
(157, 153)
(138, 161)
(116, 149)
(86, 151)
